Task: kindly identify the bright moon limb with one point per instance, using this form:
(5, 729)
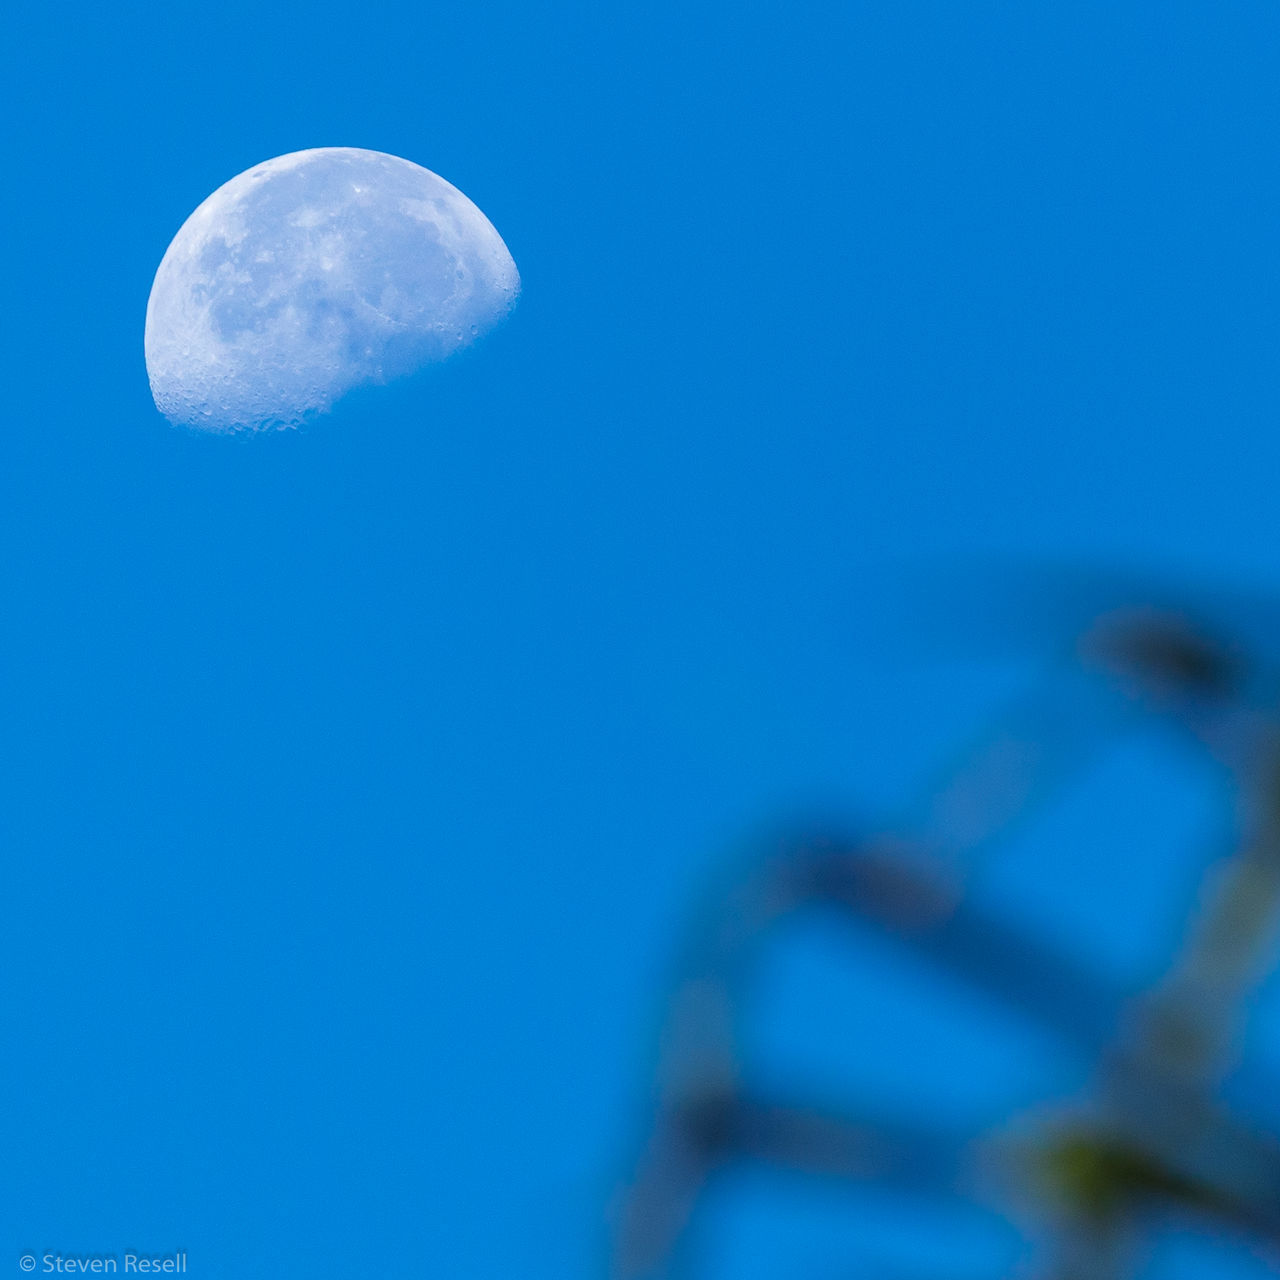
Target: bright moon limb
(310, 275)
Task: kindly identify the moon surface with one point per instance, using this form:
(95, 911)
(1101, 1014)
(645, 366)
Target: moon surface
(310, 275)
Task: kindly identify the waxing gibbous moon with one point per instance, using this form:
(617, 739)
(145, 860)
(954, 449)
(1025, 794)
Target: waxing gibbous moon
(310, 275)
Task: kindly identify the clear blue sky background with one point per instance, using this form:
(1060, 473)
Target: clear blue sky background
(356, 781)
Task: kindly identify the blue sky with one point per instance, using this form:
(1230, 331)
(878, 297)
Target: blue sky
(357, 780)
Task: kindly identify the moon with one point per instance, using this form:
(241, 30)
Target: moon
(312, 274)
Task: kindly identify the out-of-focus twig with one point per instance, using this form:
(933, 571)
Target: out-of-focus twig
(1156, 1133)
